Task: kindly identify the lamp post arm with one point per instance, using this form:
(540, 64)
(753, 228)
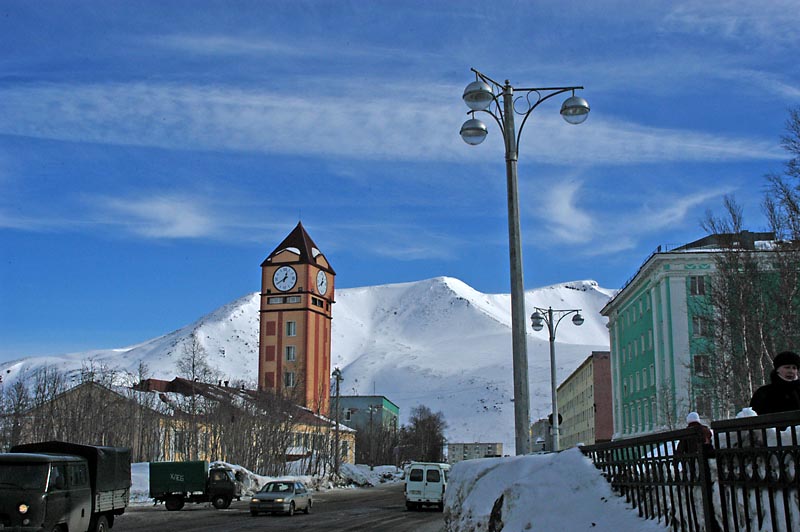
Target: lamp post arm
(540, 99)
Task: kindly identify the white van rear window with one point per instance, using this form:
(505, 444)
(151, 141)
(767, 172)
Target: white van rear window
(415, 475)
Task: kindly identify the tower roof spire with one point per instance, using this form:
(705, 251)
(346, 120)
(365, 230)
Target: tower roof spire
(298, 242)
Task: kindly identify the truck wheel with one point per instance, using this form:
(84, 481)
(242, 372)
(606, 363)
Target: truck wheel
(174, 503)
(101, 525)
(221, 502)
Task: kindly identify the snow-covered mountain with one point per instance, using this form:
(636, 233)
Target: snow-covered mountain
(436, 342)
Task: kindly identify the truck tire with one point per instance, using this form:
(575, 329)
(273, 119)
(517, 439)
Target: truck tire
(100, 524)
(174, 503)
(221, 502)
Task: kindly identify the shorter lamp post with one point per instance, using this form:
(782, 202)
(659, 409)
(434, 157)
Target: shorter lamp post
(337, 374)
(538, 319)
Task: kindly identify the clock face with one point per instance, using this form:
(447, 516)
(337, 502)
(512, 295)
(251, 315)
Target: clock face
(284, 278)
(322, 283)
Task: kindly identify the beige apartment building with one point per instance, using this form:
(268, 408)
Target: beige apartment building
(585, 403)
(457, 452)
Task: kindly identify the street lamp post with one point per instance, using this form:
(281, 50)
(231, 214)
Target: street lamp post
(337, 375)
(483, 95)
(538, 319)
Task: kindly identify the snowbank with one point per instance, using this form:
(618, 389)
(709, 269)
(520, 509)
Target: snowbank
(555, 491)
(350, 475)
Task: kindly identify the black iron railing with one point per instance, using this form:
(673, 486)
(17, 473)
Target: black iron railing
(748, 482)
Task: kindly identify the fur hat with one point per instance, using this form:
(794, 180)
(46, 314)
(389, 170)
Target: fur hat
(693, 416)
(786, 358)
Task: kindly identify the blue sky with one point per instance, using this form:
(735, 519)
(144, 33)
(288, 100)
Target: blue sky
(153, 153)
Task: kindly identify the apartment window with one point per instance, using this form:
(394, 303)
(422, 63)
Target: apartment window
(288, 379)
(652, 375)
(347, 414)
(291, 353)
(699, 327)
(701, 365)
(291, 328)
(697, 285)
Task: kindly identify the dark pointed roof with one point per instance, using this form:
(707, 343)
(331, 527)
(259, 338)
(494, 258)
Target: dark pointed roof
(299, 240)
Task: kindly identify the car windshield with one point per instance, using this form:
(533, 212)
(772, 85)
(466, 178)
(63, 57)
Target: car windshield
(23, 476)
(278, 487)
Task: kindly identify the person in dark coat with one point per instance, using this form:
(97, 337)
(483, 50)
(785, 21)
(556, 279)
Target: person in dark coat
(782, 394)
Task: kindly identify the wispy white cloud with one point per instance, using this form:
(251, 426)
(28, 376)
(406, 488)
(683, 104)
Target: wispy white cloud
(776, 22)
(357, 126)
(159, 216)
(568, 217)
(226, 45)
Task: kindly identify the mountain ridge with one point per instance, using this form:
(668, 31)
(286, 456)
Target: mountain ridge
(437, 342)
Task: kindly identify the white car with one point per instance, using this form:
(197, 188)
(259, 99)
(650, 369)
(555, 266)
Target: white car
(281, 496)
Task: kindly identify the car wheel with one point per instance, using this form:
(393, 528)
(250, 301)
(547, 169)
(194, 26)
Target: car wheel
(174, 503)
(101, 525)
(220, 502)
(291, 509)
(308, 507)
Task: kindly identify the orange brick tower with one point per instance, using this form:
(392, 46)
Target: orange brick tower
(294, 354)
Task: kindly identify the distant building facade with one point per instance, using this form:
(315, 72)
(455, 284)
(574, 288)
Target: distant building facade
(658, 339)
(541, 435)
(364, 411)
(584, 402)
(457, 452)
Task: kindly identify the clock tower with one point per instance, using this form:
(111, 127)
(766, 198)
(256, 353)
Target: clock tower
(294, 340)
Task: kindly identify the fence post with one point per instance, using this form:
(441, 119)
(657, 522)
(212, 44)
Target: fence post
(706, 481)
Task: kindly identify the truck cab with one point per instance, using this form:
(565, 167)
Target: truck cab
(59, 486)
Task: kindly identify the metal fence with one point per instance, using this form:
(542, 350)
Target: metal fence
(749, 481)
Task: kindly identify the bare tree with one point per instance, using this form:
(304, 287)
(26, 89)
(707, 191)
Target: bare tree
(423, 437)
(753, 309)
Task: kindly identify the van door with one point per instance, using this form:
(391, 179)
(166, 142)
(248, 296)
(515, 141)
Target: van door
(80, 496)
(57, 495)
(434, 483)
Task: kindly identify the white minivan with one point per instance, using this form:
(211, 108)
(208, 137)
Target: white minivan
(425, 484)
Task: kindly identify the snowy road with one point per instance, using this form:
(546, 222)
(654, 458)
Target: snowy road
(359, 509)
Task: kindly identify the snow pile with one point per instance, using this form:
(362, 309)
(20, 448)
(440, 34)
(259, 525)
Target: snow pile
(555, 491)
(350, 475)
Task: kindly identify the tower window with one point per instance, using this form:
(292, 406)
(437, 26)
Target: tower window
(291, 328)
(288, 379)
(291, 353)
(293, 299)
(274, 300)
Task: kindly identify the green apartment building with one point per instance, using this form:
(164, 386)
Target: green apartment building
(658, 339)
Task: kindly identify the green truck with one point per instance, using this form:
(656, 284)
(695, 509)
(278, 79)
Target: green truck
(176, 483)
(63, 487)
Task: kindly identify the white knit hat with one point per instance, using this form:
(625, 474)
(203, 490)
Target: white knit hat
(693, 416)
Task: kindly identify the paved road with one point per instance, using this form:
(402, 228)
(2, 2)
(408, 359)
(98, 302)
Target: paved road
(378, 509)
